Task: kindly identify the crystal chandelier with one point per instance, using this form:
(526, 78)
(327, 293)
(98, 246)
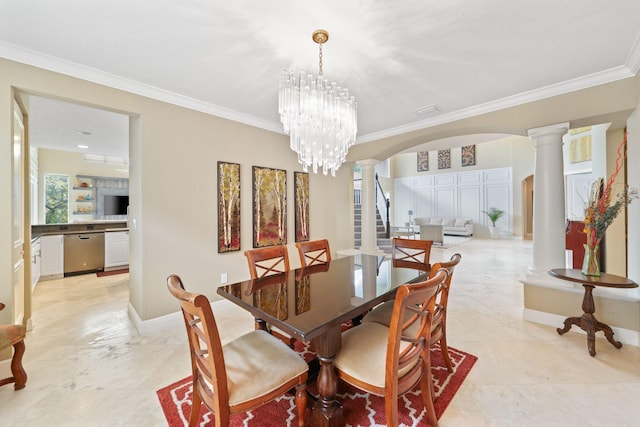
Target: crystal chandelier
(320, 117)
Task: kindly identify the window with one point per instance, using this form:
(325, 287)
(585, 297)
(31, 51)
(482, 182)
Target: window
(56, 199)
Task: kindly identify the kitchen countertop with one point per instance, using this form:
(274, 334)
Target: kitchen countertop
(85, 227)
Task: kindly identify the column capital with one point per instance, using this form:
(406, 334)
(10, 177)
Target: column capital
(558, 129)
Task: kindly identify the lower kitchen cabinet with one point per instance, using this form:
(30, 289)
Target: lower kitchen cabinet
(35, 262)
(116, 249)
(52, 257)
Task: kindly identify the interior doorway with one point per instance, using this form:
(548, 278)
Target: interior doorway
(527, 208)
(65, 137)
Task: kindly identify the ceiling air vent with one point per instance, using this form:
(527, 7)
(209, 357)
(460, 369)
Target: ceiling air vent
(427, 111)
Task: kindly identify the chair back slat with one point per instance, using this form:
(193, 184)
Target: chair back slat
(408, 345)
(314, 252)
(207, 359)
(442, 297)
(411, 253)
(267, 261)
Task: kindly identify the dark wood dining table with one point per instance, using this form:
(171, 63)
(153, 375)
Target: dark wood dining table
(312, 303)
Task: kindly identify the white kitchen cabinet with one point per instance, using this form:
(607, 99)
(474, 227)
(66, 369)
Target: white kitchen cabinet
(52, 259)
(116, 249)
(35, 262)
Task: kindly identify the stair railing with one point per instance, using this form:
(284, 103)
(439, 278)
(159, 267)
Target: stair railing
(383, 205)
(357, 191)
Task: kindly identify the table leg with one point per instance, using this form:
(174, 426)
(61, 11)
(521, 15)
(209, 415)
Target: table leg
(568, 322)
(327, 411)
(608, 333)
(589, 323)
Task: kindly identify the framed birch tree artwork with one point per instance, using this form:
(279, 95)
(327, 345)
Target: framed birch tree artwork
(301, 187)
(228, 207)
(269, 206)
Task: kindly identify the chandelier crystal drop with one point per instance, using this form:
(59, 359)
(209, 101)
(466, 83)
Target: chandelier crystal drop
(320, 117)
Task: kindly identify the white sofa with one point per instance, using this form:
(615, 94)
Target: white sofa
(450, 226)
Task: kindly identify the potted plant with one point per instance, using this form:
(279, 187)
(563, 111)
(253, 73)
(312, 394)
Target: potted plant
(494, 214)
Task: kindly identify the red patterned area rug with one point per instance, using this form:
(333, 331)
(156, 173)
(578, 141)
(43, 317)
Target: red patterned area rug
(360, 408)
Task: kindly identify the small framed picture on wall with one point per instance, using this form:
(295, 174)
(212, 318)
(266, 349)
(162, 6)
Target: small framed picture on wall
(423, 161)
(444, 159)
(468, 155)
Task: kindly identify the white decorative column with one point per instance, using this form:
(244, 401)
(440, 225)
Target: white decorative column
(548, 200)
(633, 211)
(369, 241)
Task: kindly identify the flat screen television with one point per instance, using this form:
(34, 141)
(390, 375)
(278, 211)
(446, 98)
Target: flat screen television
(116, 205)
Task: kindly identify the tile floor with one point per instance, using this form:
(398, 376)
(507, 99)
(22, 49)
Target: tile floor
(88, 366)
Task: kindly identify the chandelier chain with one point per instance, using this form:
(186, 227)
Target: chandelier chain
(320, 59)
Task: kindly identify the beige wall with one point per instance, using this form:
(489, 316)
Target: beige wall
(70, 164)
(615, 241)
(514, 151)
(173, 155)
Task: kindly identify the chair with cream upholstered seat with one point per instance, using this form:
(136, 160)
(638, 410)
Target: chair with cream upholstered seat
(411, 253)
(245, 373)
(382, 313)
(314, 252)
(390, 361)
(13, 335)
(265, 262)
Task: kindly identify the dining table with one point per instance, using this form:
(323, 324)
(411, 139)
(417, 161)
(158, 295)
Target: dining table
(312, 303)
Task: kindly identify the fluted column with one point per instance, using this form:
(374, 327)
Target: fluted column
(369, 241)
(548, 198)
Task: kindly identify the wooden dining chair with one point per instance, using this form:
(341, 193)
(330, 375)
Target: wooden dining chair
(245, 373)
(391, 361)
(314, 252)
(382, 313)
(13, 335)
(267, 261)
(411, 253)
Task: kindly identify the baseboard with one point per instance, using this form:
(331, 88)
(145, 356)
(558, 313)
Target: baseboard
(168, 321)
(625, 336)
(145, 327)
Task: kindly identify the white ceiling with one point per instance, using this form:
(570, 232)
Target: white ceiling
(63, 126)
(224, 57)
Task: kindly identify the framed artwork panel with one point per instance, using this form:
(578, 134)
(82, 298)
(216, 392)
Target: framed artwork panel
(580, 149)
(269, 206)
(423, 161)
(468, 155)
(228, 207)
(301, 189)
(444, 159)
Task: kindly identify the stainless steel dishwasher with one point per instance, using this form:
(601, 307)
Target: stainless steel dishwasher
(83, 252)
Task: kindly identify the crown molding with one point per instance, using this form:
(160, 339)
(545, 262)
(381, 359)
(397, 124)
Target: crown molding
(595, 79)
(36, 59)
(633, 60)
(72, 69)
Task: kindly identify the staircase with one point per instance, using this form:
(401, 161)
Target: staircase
(383, 243)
